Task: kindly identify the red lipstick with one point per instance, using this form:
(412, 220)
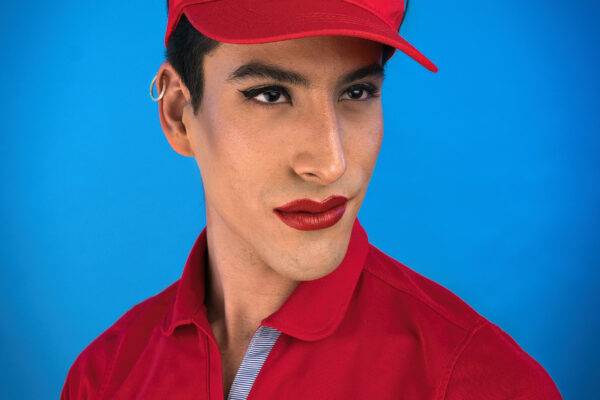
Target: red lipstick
(310, 215)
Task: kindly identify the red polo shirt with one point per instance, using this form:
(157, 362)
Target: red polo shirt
(371, 329)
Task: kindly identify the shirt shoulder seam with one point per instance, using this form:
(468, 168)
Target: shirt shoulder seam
(454, 360)
(423, 301)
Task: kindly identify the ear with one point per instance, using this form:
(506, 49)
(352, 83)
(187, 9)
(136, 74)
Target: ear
(170, 108)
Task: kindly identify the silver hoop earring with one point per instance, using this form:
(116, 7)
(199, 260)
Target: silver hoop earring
(162, 92)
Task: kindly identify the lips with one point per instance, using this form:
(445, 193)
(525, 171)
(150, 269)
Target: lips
(309, 215)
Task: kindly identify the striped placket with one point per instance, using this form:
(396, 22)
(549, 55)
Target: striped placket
(260, 346)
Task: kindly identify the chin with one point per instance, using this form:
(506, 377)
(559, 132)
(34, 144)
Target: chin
(309, 266)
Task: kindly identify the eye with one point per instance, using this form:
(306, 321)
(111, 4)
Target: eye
(361, 91)
(270, 97)
(267, 95)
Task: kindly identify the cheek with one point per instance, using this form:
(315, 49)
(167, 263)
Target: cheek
(363, 139)
(235, 152)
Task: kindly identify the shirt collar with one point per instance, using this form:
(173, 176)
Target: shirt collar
(313, 310)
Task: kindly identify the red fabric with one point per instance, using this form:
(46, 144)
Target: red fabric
(251, 21)
(372, 329)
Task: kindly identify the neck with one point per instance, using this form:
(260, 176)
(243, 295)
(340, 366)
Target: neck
(241, 290)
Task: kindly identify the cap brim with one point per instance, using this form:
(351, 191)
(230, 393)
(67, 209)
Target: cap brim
(237, 22)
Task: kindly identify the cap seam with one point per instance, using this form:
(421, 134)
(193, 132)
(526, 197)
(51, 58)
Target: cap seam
(179, 11)
(372, 11)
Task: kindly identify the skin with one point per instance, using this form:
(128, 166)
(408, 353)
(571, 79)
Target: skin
(254, 156)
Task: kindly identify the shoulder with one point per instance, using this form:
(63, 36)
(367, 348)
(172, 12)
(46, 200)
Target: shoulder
(423, 294)
(92, 367)
(477, 355)
(491, 364)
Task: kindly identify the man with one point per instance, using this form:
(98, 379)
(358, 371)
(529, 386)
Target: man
(282, 296)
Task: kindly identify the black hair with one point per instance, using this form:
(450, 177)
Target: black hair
(186, 49)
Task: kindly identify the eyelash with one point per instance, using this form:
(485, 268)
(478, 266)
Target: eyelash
(250, 94)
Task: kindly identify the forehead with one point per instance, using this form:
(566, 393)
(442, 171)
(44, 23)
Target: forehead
(317, 54)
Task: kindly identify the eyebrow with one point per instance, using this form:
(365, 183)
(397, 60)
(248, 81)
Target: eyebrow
(373, 70)
(260, 70)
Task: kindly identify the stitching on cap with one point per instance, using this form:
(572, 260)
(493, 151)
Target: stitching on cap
(358, 22)
(367, 7)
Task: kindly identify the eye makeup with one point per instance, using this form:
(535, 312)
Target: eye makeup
(373, 91)
(250, 94)
(275, 92)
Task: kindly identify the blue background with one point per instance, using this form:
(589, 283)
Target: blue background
(491, 167)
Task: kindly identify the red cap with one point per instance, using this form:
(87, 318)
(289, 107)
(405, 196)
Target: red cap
(262, 21)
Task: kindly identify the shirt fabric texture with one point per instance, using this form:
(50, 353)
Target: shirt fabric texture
(371, 329)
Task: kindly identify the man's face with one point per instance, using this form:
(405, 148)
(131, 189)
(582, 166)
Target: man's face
(284, 121)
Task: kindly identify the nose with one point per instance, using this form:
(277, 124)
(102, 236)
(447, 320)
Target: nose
(319, 153)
